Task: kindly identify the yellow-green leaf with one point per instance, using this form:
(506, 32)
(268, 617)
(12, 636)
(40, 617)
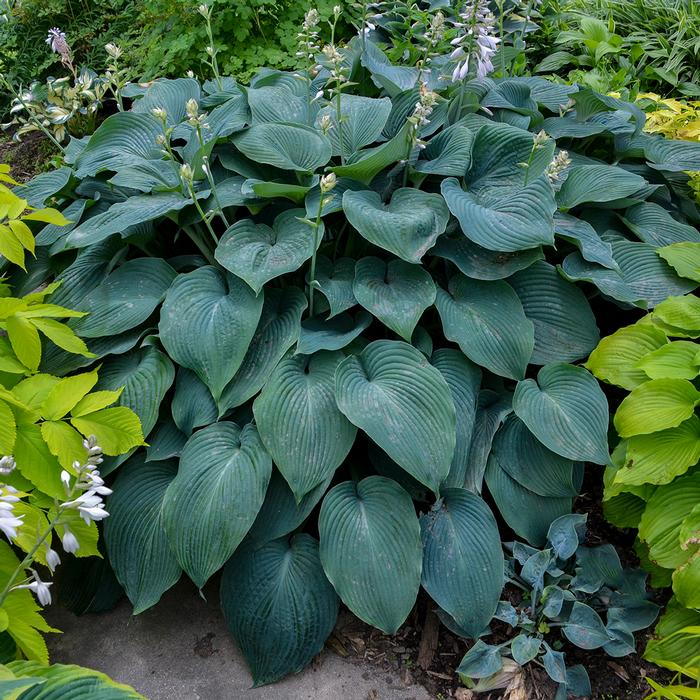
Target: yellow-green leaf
(33, 390)
(34, 525)
(95, 401)
(62, 335)
(8, 429)
(656, 405)
(35, 461)
(673, 361)
(10, 247)
(684, 258)
(66, 394)
(64, 441)
(680, 312)
(117, 429)
(25, 341)
(48, 216)
(23, 234)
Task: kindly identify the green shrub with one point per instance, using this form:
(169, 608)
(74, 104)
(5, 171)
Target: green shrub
(654, 482)
(351, 275)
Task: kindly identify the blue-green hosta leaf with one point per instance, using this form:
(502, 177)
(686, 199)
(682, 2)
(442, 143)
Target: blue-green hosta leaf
(299, 422)
(528, 514)
(229, 117)
(408, 226)
(569, 127)
(590, 103)
(480, 263)
(554, 664)
(165, 441)
(170, 95)
(566, 411)
(525, 648)
(481, 661)
(365, 164)
(491, 410)
(44, 682)
(277, 331)
(579, 232)
(280, 513)
(192, 404)
(404, 404)
(121, 215)
(397, 293)
(124, 299)
(134, 534)
(286, 146)
(566, 534)
(530, 463)
(362, 120)
(258, 253)
(512, 95)
(333, 200)
(278, 605)
(146, 376)
(463, 377)
(371, 549)
(584, 628)
(214, 499)
(505, 217)
(394, 79)
(331, 334)
(148, 175)
(51, 233)
(487, 321)
(610, 282)
(462, 559)
(448, 153)
(42, 187)
(207, 322)
(386, 466)
(118, 218)
(335, 281)
(672, 156)
(119, 141)
(597, 183)
(652, 224)
(565, 327)
(647, 274)
(277, 103)
(498, 153)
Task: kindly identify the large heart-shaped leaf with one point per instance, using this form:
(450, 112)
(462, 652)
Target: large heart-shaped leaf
(597, 183)
(277, 331)
(448, 153)
(278, 103)
(134, 534)
(286, 146)
(566, 411)
(207, 322)
(335, 333)
(124, 299)
(579, 232)
(463, 378)
(370, 549)
(146, 375)
(404, 404)
(258, 253)
(170, 95)
(118, 142)
(504, 217)
(299, 422)
(361, 122)
(610, 282)
(652, 224)
(565, 327)
(462, 559)
(408, 226)
(397, 293)
(334, 280)
(215, 497)
(278, 605)
(487, 321)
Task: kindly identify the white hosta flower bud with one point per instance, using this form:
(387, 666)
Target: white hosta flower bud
(190, 74)
(52, 558)
(161, 140)
(325, 123)
(337, 10)
(210, 50)
(159, 113)
(540, 139)
(204, 10)
(186, 172)
(559, 164)
(7, 465)
(192, 108)
(328, 182)
(69, 541)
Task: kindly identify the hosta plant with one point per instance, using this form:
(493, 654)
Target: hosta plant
(568, 589)
(653, 483)
(347, 304)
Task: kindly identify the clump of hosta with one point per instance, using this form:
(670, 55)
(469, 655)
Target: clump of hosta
(351, 314)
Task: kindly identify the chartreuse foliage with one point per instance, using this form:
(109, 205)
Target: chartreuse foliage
(46, 421)
(568, 588)
(321, 321)
(654, 481)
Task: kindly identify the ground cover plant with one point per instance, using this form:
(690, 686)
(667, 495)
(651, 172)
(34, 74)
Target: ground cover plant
(349, 306)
